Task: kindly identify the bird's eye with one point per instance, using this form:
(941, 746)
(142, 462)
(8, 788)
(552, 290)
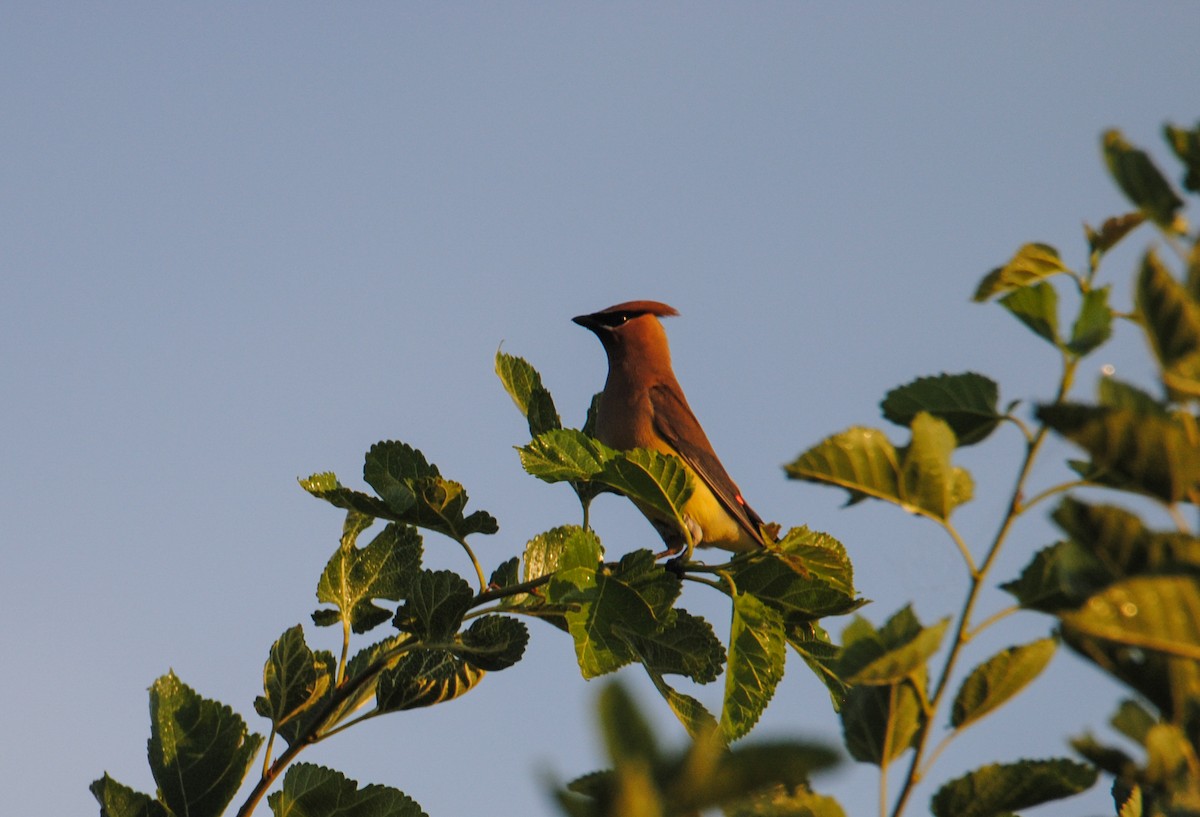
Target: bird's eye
(615, 319)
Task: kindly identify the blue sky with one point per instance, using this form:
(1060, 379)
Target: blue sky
(243, 243)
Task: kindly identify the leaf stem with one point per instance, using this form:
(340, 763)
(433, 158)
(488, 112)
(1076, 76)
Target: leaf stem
(475, 562)
(963, 627)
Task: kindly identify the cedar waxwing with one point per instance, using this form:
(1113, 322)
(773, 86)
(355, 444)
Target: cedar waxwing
(642, 406)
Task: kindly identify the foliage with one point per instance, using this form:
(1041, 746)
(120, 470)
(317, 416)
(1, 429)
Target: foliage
(1122, 594)
(1117, 590)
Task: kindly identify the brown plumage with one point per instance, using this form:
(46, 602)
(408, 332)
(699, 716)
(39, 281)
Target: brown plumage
(642, 406)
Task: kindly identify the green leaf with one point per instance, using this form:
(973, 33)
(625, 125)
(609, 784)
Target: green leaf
(1117, 394)
(493, 642)
(1133, 721)
(742, 772)
(314, 791)
(627, 734)
(1110, 233)
(998, 789)
(1186, 144)
(1172, 323)
(1160, 613)
(1141, 182)
(999, 679)
(1094, 325)
(1058, 577)
(967, 402)
(1031, 264)
(903, 658)
(561, 548)
(784, 580)
(354, 576)
(524, 386)
(686, 646)
(784, 802)
(1144, 453)
(564, 454)
(604, 611)
(757, 649)
(879, 723)
(199, 749)
(813, 644)
(696, 719)
(434, 608)
(1035, 306)
(416, 493)
(293, 679)
(820, 556)
(657, 483)
(919, 478)
(326, 486)
(118, 800)
(423, 678)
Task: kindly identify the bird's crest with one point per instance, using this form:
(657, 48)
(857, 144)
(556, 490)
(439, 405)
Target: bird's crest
(656, 308)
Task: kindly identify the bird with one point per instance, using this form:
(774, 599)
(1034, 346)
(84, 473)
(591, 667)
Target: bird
(643, 406)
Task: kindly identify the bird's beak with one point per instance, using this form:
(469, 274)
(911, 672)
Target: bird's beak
(586, 321)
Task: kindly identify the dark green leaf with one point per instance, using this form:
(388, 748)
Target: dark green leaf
(506, 574)
(436, 603)
(416, 493)
(524, 386)
(756, 656)
(1118, 394)
(998, 679)
(1035, 306)
(1110, 232)
(1059, 577)
(1106, 758)
(879, 723)
(743, 771)
(1133, 721)
(821, 556)
(199, 749)
(494, 642)
(967, 402)
(1186, 144)
(813, 644)
(1141, 181)
(1031, 264)
(1172, 323)
(423, 678)
(686, 646)
(1144, 453)
(1094, 325)
(1159, 613)
(784, 581)
(118, 800)
(627, 734)
(293, 679)
(1001, 788)
(354, 576)
(314, 791)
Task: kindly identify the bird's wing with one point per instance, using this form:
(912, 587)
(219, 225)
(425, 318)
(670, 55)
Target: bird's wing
(673, 419)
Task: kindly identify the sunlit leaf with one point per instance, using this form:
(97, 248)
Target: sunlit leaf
(1035, 306)
(1160, 613)
(919, 478)
(564, 454)
(1094, 325)
(424, 678)
(967, 402)
(686, 646)
(326, 486)
(1030, 264)
(494, 642)
(524, 386)
(118, 800)
(354, 577)
(995, 681)
(657, 482)
(756, 656)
